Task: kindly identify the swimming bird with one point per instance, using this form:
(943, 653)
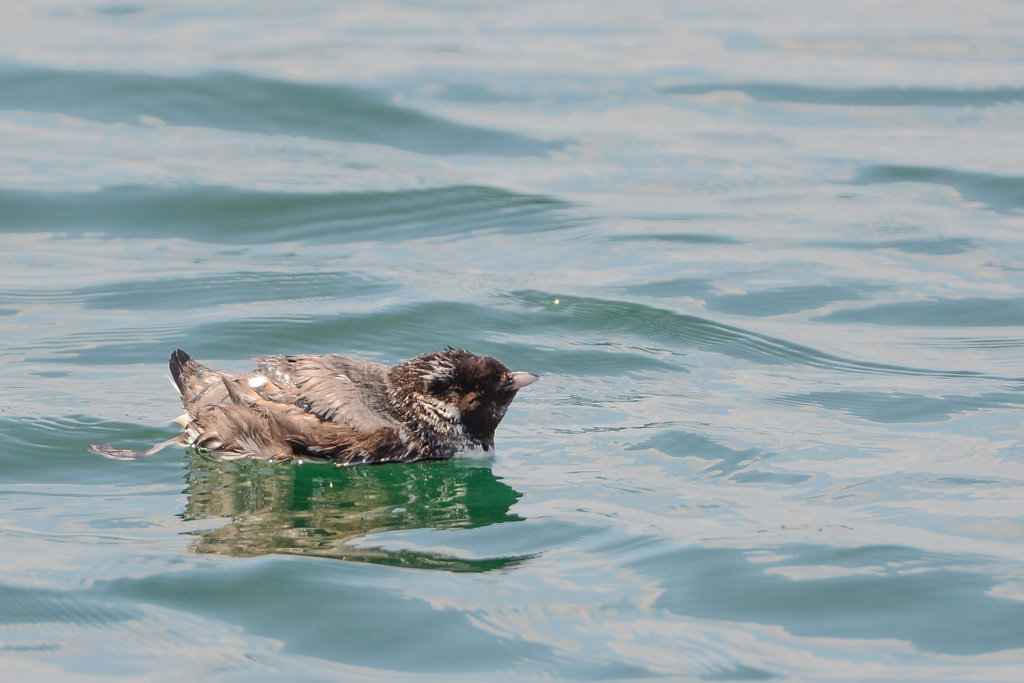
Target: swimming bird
(331, 407)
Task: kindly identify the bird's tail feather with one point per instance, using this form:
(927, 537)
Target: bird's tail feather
(183, 369)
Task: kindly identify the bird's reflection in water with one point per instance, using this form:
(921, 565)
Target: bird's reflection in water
(318, 509)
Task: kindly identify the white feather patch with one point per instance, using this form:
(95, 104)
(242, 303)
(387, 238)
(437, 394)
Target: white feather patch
(439, 410)
(437, 369)
(257, 381)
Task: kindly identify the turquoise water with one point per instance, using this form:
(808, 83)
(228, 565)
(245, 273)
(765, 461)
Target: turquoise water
(769, 260)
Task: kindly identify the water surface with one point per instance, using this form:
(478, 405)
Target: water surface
(768, 260)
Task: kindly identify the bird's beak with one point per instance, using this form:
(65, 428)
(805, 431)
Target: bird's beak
(523, 379)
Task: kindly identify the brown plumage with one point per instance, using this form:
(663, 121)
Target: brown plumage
(341, 409)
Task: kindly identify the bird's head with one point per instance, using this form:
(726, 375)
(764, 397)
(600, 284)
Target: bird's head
(456, 386)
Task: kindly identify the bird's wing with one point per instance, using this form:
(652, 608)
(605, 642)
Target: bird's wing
(333, 388)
